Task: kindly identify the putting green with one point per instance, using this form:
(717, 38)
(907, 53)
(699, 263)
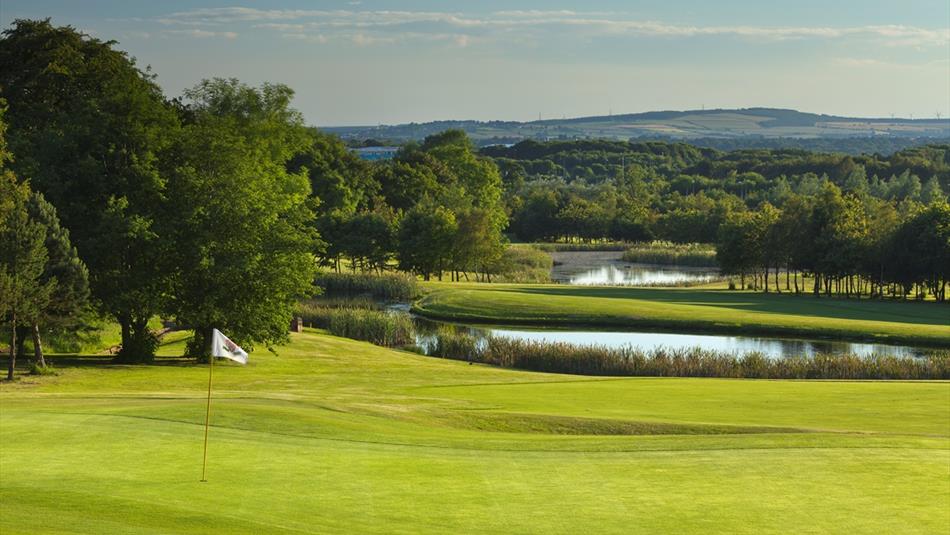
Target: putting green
(335, 435)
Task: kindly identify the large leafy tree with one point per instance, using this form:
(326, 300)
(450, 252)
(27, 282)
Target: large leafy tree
(426, 237)
(88, 126)
(240, 221)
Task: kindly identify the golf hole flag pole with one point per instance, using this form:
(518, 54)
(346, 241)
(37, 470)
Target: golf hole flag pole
(223, 347)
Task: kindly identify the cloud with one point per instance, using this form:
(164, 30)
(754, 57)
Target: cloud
(367, 27)
(201, 34)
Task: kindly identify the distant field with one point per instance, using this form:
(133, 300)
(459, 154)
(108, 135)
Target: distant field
(341, 436)
(703, 309)
(690, 124)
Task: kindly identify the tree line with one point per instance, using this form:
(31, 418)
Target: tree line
(847, 245)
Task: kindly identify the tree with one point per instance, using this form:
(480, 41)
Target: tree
(931, 192)
(737, 250)
(65, 271)
(478, 244)
(241, 223)
(22, 254)
(88, 127)
(369, 238)
(426, 233)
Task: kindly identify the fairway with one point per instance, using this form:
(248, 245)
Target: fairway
(339, 435)
(691, 309)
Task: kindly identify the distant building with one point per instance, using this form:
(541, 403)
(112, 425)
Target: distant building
(376, 153)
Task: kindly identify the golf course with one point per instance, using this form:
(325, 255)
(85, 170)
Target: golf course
(338, 435)
(690, 310)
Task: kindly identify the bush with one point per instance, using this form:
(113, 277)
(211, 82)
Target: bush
(696, 362)
(668, 253)
(388, 286)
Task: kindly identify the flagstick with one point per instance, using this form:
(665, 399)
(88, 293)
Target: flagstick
(204, 464)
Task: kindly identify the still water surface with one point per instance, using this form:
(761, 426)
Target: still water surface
(769, 346)
(607, 268)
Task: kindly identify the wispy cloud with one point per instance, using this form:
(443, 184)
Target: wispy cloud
(202, 34)
(367, 27)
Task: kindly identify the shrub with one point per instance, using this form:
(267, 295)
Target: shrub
(388, 286)
(668, 253)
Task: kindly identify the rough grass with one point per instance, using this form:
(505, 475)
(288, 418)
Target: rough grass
(340, 436)
(692, 309)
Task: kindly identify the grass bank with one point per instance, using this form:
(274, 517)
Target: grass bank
(692, 309)
(339, 436)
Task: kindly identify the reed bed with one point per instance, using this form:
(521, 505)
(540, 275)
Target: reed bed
(375, 326)
(525, 265)
(359, 319)
(696, 362)
(387, 286)
(669, 253)
(559, 247)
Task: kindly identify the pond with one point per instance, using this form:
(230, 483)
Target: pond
(771, 347)
(601, 268)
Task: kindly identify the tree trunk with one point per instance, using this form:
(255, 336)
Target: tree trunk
(12, 347)
(38, 347)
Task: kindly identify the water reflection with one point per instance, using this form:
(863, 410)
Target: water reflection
(641, 275)
(647, 341)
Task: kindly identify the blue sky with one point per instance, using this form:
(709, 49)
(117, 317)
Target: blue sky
(377, 61)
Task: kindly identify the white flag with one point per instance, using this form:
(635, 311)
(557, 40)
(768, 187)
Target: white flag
(222, 346)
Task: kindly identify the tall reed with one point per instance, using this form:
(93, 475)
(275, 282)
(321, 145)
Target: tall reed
(557, 357)
(375, 326)
(388, 286)
(552, 247)
(668, 253)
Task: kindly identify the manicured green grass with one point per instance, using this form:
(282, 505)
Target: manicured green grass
(699, 309)
(335, 435)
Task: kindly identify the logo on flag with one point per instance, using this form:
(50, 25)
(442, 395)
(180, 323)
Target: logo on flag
(222, 346)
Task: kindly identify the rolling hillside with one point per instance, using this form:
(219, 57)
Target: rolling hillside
(766, 123)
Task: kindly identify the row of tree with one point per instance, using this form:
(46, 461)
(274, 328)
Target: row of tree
(847, 245)
(587, 190)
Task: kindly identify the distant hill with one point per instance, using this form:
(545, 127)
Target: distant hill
(740, 124)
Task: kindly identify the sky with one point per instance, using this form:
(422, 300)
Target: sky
(366, 62)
